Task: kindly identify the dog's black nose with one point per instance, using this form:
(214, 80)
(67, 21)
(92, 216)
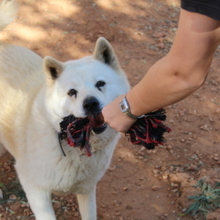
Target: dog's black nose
(91, 105)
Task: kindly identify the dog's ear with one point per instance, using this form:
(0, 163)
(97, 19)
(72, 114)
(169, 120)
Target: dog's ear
(52, 67)
(105, 53)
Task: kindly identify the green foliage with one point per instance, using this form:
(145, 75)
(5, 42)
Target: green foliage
(206, 200)
(2, 185)
(13, 188)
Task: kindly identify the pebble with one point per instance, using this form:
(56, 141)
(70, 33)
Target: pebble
(1, 194)
(142, 149)
(193, 167)
(169, 147)
(163, 168)
(57, 205)
(12, 197)
(112, 168)
(155, 188)
(76, 214)
(159, 34)
(160, 45)
(129, 207)
(117, 213)
(171, 151)
(156, 171)
(215, 158)
(170, 195)
(149, 151)
(15, 206)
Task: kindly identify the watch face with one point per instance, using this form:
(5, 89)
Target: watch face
(124, 106)
(123, 109)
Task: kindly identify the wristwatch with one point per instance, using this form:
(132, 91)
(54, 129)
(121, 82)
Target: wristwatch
(125, 108)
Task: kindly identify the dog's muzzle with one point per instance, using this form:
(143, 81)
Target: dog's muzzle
(91, 105)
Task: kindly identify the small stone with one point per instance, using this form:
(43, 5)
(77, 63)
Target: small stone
(129, 207)
(57, 205)
(170, 195)
(211, 119)
(149, 151)
(171, 151)
(216, 158)
(142, 149)
(164, 176)
(193, 167)
(1, 194)
(112, 168)
(160, 178)
(155, 188)
(159, 34)
(117, 213)
(161, 45)
(12, 197)
(102, 205)
(163, 168)
(154, 151)
(155, 171)
(76, 214)
(15, 206)
(169, 147)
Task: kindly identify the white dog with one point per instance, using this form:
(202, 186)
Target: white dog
(35, 95)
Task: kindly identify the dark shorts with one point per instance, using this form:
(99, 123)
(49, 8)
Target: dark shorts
(210, 8)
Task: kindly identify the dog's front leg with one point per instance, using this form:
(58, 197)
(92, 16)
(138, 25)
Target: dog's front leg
(87, 205)
(40, 203)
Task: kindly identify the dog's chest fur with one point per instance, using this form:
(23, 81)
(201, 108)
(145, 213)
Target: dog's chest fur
(75, 172)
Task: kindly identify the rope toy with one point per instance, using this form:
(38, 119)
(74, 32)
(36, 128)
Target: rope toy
(77, 130)
(147, 131)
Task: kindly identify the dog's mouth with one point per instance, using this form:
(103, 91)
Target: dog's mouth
(77, 130)
(99, 130)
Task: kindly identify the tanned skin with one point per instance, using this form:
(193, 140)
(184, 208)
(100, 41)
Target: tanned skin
(181, 72)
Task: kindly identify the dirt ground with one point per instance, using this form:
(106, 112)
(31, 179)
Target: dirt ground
(140, 184)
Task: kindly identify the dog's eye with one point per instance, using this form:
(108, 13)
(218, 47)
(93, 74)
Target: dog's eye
(100, 84)
(72, 92)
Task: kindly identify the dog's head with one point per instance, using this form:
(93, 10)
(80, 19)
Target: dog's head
(82, 87)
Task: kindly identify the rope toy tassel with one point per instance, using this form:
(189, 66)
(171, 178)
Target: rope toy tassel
(149, 130)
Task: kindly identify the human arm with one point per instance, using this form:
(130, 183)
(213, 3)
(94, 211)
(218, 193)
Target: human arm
(174, 77)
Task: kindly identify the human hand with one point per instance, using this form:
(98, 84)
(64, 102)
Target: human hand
(115, 118)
